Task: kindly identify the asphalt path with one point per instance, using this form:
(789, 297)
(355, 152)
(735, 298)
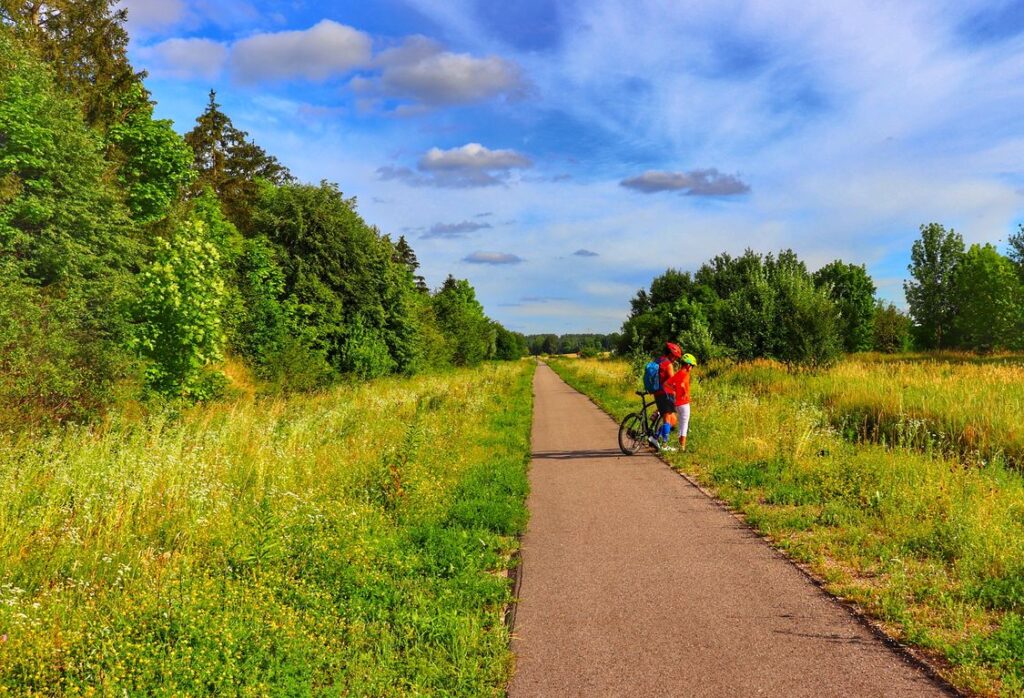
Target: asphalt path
(635, 583)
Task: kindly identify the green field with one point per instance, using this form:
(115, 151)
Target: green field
(917, 517)
(352, 542)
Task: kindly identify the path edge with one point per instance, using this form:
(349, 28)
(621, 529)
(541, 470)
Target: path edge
(906, 653)
(514, 573)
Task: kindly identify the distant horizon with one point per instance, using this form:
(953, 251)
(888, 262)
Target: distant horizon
(561, 155)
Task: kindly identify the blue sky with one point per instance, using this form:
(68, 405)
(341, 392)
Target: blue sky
(561, 154)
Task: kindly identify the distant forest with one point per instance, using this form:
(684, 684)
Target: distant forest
(571, 343)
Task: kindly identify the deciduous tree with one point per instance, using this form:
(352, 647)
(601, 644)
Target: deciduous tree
(853, 292)
(935, 257)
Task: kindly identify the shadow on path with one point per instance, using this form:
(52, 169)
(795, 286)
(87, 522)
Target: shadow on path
(578, 455)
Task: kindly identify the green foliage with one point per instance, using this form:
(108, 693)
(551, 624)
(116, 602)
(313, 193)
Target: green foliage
(990, 301)
(931, 294)
(852, 290)
(179, 310)
(892, 329)
(806, 321)
(263, 326)
(746, 318)
(155, 164)
(339, 272)
(84, 43)
(747, 307)
(65, 249)
(231, 164)
(364, 352)
(508, 345)
(58, 213)
(53, 366)
(461, 318)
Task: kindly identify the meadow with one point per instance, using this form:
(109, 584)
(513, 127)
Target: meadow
(350, 542)
(893, 480)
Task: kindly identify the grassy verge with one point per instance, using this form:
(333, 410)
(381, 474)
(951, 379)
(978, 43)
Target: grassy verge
(963, 406)
(348, 543)
(930, 547)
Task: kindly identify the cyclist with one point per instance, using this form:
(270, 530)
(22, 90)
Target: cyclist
(679, 386)
(663, 398)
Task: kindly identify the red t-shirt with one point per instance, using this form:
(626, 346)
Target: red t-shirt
(679, 385)
(665, 371)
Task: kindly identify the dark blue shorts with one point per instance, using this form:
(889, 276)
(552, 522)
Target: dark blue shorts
(666, 403)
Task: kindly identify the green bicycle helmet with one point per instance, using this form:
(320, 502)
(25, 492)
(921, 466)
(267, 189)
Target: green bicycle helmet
(690, 359)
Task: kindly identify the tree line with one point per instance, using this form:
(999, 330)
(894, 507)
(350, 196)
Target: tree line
(133, 258)
(583, 344)
(757, 305)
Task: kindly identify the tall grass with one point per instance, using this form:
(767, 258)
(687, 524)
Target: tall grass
(963, 406)
(348, 543)
(929, 545)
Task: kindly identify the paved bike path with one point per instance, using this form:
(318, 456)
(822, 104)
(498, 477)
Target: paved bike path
(634, 583)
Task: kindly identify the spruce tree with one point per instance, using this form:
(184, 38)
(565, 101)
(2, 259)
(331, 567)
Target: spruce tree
(231, 164)
(86, 45)
(404, 254)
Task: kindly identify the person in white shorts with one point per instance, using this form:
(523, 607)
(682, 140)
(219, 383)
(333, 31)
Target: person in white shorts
(679, 386)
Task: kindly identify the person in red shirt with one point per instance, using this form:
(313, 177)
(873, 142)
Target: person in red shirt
(663, 398)
(679, 385)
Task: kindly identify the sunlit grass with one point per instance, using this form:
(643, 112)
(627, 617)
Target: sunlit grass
(347, 543)
(931, 545)
(964, 406)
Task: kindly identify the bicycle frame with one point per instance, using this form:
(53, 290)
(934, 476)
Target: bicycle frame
(648, 422)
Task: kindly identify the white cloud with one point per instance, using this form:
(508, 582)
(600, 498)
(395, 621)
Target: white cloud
(422, 72)
(471, 165)
(472, 156)
(325, 50)
(185, 58)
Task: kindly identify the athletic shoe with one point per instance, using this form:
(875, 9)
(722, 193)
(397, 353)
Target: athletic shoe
(666, 447)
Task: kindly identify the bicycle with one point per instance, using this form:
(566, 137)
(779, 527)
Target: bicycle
(640, 429)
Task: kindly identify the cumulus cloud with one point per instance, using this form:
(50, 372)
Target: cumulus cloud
(472, 156)
(185, 58)
(585, 253)
(454, 230)
(471, 165)
(324, 50)
(492, 258)
(421, 71)
(708, 182)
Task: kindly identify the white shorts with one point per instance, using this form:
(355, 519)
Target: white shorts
(683, 413)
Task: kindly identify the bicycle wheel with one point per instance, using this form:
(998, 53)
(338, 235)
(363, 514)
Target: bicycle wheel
(631, 434)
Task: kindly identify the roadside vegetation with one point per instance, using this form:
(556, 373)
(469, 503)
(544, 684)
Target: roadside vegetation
(351, 542)
(919, 519)
(133, 259)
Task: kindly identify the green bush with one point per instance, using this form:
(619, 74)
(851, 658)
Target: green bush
(892, 329)
(365, 353)
(155, 164)
(179, 308)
